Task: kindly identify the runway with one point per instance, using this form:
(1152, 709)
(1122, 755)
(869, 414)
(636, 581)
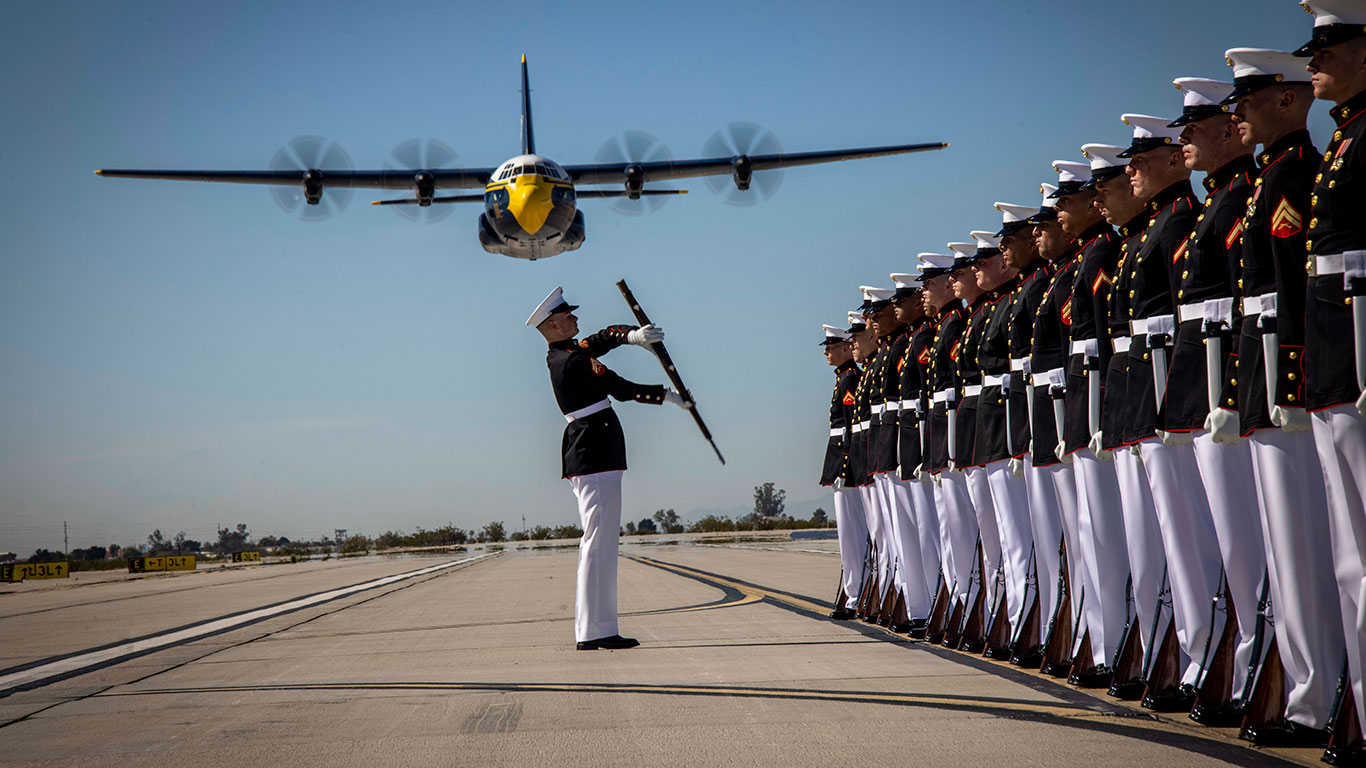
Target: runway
(468, 659)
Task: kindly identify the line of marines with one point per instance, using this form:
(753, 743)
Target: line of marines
(1122, 439)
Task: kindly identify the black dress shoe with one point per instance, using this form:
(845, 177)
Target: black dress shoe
(935, 639)
(972, 646)
(613, 643)
(1178, 699)
(1027, 659)
(1129, 690)
(918, 633)
(1353, 754)
(1226, 715)
(900, 628)
(998, 654)
(1285, 733)
(1058, 669)
(843, 614)
(1098, 677)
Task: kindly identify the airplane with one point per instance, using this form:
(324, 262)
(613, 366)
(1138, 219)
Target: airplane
(530, 201)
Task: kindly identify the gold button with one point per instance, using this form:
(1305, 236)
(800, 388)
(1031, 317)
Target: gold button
(1294, 355)
(1290, 376)
(1181, 293)
(1318, 178)
(1185, 274)
(1309, 265)
(1314, 222)
(1332, 183)
(1145, 355)
(1201, 217)
(1337, 135)
(1131, 294)
(1143, 239)
(1240, 282)
(1230, 401)
(1348, 301)
(1291, 398)
(1308, 245)
(1257, 183)
(1313, 199)
(1152, 222)
(1326, 156)
(1233, 382)
(1266, 159)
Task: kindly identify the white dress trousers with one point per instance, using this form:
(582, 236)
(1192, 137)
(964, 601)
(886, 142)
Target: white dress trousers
(993, 580)
(1193, 559)
(920, 499)
(879, 529)
(595, 596)
(1010, 498)
(1340, 436)
(1304, 597)
(1105, 556)
(852, 529)
(958, 533)
(1231, 489)
(1053, 517)
(1147, 559)
(910, 566)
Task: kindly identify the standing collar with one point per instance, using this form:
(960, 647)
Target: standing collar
(1348, 109)
(1224, 176)
(1279, 147)
(1170, 195)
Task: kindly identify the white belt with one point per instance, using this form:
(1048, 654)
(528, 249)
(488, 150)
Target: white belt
(1256, 306)
(943, 396)
(878, 408)
(910, 405)
(1349, 263)
(1210, 311)
(588, 410)
(1088, 347)
(893, 406)
(1056, 377)
(1120, 344)
(972, 390)
(1153, 325)
(1018, 364)
(993, 381)
(837, 432)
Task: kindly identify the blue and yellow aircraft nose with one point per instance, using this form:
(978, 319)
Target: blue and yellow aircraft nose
(530, 202)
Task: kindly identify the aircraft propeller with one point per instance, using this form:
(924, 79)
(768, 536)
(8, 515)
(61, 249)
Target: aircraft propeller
(310, 155)
(635, 147)
(739, 141)
(414, 156)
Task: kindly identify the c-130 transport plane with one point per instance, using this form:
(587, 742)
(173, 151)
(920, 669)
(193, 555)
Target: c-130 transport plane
(530, 201)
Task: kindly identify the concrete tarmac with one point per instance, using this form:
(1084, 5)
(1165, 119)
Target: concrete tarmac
(475, 664)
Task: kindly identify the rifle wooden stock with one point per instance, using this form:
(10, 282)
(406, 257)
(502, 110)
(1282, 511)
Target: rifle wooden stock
(1343, 724)
(1084, 662)
(889, 597)
(1165, 672)
(1216, 689)
(1027, 646)
(669, 369)
(1267, 704)
(1057, 642)
(998, 632)
(1129, 661)
(953, 629)
(840, 597)
(939, 612)
(899, 618)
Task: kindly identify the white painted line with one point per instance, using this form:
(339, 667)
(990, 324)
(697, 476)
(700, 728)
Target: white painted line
(71, 664)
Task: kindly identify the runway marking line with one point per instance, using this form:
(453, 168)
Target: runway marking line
(46, 671)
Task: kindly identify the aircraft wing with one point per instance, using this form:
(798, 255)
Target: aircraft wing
(448, 178)
(613, 173)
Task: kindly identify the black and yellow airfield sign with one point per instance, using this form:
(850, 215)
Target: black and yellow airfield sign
(163, 563)
(23, 571)
(246, 557)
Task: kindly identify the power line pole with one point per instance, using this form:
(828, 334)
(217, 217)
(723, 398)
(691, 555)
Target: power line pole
(66, 543)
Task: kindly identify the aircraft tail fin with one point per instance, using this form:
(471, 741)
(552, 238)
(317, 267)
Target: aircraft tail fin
(528, 137)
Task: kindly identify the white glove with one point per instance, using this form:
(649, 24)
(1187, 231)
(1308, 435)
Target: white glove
(1097, 447)
(1061, 452)
(1173, 439)
(1136, 451)
(1361, 403)
(1016, 467)
(1290, 419)
(839, 483)
(953, 466)
(645, 335)
(671, 396)
(1223, 426)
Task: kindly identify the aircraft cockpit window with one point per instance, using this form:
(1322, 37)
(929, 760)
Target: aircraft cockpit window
(540, 169)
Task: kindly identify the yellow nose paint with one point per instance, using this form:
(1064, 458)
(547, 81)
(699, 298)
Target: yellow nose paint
(529, 202)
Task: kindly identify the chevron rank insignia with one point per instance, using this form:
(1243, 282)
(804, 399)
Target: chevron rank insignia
(924, 357)
(1285, 221)
(1067, 312)
(1233, 234)
(1101, 277)
(848, 398)
(598, 368)
(1181, 251)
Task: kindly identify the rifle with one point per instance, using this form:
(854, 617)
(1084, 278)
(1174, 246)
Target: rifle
(669, 369)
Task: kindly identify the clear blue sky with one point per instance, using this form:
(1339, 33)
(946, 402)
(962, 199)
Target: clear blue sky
(180, 356)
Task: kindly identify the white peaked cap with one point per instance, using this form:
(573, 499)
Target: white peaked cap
(1012, 213)
(855, 318)
(1048, 191)
(961, 250)
(1150, 132)
(1070, 171)
(1281, 66)
(548, 306)
(903, 280)
(937, 260)
(1202, 91)
(832, 332)
(985, 240)
(1329, 12)
(1103, 156)
(876, 294)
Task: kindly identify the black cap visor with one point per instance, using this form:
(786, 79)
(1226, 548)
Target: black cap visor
(1197, 113)
(1329, 35)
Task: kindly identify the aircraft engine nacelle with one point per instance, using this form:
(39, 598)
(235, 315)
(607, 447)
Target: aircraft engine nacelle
(742, 170)
(635, 181)
(313, 186)
(425, 184)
